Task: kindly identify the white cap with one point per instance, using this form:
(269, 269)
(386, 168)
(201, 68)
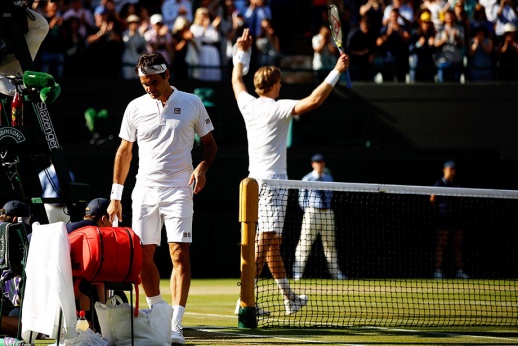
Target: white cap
(156, 18)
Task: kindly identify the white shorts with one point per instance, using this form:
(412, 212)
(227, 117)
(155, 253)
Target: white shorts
(272, 208)
(154, 207)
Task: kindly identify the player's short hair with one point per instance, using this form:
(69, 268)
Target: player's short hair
(146, 61)
(265, 78)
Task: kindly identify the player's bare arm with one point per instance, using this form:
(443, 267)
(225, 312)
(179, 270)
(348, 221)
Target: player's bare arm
(120, 172)
(320, 94)
(210, 150)
(243, 44)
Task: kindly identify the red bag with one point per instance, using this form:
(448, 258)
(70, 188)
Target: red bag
(105, 254)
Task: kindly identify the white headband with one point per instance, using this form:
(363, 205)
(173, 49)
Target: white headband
(153, 69)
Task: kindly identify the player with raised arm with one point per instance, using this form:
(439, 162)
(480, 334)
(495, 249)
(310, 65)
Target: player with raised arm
(267, 120)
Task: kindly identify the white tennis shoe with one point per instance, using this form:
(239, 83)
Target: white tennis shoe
(294, 305)
(177, 335)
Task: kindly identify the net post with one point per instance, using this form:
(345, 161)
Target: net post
(248, 217)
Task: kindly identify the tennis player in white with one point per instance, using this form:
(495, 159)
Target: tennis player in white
(267, 120)
(163, 122)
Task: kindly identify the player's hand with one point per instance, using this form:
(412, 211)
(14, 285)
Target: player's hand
(343, 63)
(115, 210)
(199, 179)
(245, 41)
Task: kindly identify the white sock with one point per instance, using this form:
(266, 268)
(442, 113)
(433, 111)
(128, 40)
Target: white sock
(178, 312)
(284, 286)
(153, 300)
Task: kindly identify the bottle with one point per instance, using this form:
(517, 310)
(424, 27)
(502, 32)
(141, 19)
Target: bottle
(17, 110)
(82, 323)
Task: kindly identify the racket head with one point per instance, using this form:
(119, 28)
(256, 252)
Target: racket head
(335, 25)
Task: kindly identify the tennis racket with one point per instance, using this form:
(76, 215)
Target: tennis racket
(336, 32)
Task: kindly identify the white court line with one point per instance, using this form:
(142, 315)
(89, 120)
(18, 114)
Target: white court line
(362, 327)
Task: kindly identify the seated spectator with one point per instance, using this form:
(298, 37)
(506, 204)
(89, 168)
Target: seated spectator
(85, 16)
(208, 38)
(505, 13)
(422, 50)
(437, 9)
(393, 44)
(51, 55)
(480, 56)
(450, 44)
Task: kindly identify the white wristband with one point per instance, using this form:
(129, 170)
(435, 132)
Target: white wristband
(332, 78)
(116, 192)
(243, 58)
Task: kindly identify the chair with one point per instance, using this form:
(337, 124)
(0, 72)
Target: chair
(14, 248)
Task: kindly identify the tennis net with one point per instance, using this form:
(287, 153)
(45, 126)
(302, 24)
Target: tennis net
(383, 269)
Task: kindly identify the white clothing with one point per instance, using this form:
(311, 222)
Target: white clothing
(323, 60)
(154, 207)
(267, 122)
(272, 207)
(10, 65)
(209, 56)
(488, 7)
(49, 289)
(165, 136)
(314, 222)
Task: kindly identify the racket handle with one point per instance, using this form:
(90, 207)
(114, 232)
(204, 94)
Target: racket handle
(348, 79)
(115, 222)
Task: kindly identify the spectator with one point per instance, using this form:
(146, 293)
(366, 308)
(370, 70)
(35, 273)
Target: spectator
(324, 52)
(51, 55)
(52, 189)
(463, 20)
(361, 47)
(319, 219)
(489, 9)
(422, 50)
(75, 49)
(267, 121)
(172, 9)
(394, 48)
(137, 9)
(505, 13)
(450, 43)
(226, 31)
(450, 222)
(480, 56)
(183, 40)
(86, 18)
(159, 39)
(268, 45)
(374, 11)
(105, 47)
(480, 18)
(405, 13)
(254, 14)
(134, 46)
(507, 55)
(437, 9)
(208, 38)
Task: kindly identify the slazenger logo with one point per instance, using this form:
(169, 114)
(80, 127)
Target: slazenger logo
(46, 124)
(11, 132)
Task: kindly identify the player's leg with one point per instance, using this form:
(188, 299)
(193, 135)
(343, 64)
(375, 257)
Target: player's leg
(308, 234)
(176, 207)
(328, 237)
(147, 225)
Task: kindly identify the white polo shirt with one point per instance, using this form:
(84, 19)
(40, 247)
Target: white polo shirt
(267, 122)
(165, 136)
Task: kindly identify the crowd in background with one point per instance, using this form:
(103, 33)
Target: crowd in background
(387, 40)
